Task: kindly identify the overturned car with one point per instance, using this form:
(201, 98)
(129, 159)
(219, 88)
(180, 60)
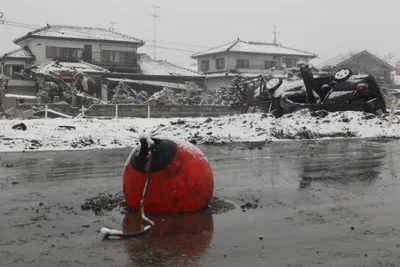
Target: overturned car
(341, 91)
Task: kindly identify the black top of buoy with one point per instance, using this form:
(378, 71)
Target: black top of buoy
(163, 154)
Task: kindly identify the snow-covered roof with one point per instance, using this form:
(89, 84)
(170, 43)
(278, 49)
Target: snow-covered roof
(343, 57)
(338, 59)
(149, 66)
(20, 53)
(80, 33)
(255, 47)
(59, 66)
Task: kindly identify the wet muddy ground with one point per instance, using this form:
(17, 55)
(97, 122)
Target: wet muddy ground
(326, 203)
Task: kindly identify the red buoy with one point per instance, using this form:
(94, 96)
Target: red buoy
(181, 178)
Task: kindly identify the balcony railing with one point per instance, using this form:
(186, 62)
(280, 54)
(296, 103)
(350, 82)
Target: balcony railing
(99, 59)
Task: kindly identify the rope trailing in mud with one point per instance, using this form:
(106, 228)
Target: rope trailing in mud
(149, 161)
(117, 233)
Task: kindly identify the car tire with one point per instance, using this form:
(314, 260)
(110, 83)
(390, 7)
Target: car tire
(342, 75)
(273, 84)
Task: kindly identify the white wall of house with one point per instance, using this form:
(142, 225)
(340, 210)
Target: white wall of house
(38, 47)
(256, 61)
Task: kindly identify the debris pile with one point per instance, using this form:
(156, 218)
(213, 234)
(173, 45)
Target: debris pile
(124, 94)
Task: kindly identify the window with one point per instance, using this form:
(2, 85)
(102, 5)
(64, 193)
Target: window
(118, 57)
(17, 68)
(290, 61)
(220, 63)
(242, 64)
(130, 58)
(7, 70)
(63, 52)
(51, 52)
(269, 64)
(205, 65)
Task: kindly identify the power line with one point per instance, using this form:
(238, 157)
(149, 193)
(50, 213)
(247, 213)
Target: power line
(180, 44)
(29, 26)
(9, 23)
(24, 24)
(173, 49)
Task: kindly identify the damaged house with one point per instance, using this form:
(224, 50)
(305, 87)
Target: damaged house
(63, 51)
(361, 63)
(220, 64)
(156, 75)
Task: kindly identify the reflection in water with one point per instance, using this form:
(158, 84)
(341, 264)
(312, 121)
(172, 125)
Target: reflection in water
(343, 164)
(176, 239)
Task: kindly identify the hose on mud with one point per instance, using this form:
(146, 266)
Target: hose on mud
(150, 224)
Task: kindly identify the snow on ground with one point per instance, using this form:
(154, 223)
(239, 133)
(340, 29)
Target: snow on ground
(46, 134)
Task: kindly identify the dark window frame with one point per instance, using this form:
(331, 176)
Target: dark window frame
(205, 65)
(64, 52)
(220, 63)
(269, 64)
(118, 57)
(242, 63)
(290, 61)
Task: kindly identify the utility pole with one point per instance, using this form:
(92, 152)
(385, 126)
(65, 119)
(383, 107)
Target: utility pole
(155, 16)
(112, 25)
(275, 34)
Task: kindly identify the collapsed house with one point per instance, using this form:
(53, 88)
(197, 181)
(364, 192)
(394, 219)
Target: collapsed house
(154, 76)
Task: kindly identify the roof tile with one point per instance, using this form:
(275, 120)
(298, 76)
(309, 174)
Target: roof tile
(78, 32)
(255, 47)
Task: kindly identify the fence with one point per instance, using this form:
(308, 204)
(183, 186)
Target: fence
(157, 111)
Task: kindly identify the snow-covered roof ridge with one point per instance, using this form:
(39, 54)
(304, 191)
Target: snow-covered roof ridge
(182, 68)
(20, 53)
(149, 66)
(339, 59)
(255, 47)
(344, 57)
(72, 32)
(217, 49)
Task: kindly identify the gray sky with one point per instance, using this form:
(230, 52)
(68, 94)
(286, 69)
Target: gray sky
(319, 26)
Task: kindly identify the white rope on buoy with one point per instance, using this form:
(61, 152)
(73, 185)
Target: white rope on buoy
(107, 232)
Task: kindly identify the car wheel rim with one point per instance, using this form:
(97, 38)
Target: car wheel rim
(342, 74)
(272, 83)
